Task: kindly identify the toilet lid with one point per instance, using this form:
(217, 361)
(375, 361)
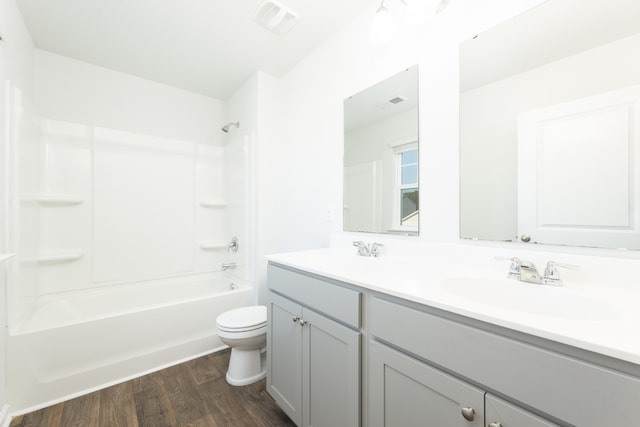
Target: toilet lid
(243, 317)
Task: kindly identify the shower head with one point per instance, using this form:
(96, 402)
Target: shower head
(225, 128)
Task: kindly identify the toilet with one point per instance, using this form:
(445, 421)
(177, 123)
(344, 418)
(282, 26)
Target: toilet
(245, 331)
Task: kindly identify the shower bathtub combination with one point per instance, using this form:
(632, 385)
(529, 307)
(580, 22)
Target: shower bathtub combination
(120, 240)
(70, 346)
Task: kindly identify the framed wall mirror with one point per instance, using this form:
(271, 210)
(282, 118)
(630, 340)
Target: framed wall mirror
(381, 167)
(550, 127)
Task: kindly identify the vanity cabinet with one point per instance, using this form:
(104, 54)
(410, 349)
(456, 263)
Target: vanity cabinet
(553, 385)
(313, 349)
(407, 392)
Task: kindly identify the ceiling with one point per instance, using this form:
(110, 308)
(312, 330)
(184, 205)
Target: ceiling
(205, 46)
(509, 49)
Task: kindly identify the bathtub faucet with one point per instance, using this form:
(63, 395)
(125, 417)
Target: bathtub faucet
(228, 265)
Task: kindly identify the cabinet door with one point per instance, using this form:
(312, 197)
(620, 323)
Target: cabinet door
(406, 392)
(331, 372)
(284, 355)
(502, 414)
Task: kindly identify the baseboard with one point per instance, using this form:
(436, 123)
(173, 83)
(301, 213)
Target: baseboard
(5, 416)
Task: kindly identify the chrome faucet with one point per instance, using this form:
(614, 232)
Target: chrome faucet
(366, 250)
(526, 271)
(363, 248)
(228, 265)
(552, 275)
(375, 249)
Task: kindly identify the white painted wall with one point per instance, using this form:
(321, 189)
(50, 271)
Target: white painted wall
(300, 170)
(308, 157)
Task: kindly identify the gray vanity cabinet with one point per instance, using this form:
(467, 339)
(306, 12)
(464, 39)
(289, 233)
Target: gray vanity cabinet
(406, 392)
(579, 390)
(313, 349)
(503, 414)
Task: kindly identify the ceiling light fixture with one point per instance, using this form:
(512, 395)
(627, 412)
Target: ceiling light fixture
(417, 13)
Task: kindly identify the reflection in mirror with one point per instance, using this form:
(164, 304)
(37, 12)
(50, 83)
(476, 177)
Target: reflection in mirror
(381, 193)
(549, 127)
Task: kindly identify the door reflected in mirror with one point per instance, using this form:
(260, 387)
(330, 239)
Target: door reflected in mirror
(381, 157)
(550, 127)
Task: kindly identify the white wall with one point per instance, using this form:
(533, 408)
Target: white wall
(308, 158)
(16, 66)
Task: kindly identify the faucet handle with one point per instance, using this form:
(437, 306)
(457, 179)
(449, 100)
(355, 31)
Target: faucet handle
(551, 270)
(552, 275)
(363, 248)
(514, 268)
(375, 249)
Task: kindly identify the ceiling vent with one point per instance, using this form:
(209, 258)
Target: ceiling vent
(275, 17)
(397, 100)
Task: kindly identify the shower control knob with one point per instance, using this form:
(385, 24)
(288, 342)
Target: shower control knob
(495, 424)
(468, 414)
(296, 319)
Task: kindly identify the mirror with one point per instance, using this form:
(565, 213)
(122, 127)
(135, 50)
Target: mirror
(550, 127)
(381, 193)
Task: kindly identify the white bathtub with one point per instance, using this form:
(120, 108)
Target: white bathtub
(87, 341)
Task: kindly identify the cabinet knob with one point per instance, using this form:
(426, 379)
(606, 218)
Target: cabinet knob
(302, 322)
(495, 425)
(468, 413)
(296, 319)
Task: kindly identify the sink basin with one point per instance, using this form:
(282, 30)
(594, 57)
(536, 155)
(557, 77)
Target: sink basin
(527, 298)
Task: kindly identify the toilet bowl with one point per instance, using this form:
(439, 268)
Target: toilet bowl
(245, 331)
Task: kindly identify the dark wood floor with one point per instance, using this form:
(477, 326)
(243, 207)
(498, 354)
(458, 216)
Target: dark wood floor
(193, 394)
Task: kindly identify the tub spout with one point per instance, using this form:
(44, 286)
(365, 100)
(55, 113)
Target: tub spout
(228, 265)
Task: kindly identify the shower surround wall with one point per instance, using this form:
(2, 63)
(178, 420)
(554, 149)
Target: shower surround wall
(124, 195)
(122, 180)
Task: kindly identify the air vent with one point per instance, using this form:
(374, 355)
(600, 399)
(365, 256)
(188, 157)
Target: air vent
(275, 17)
(397, 100)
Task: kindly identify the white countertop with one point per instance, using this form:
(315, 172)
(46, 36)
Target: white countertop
(603, 318)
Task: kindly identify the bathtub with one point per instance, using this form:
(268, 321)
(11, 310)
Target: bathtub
(82, 342)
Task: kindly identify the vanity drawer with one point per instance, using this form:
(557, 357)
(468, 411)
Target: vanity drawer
(333, 300)
(577, 392)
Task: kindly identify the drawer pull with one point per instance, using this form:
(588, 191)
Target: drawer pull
(468, 413)
(495, 425)
(296, 319)
(302, 322)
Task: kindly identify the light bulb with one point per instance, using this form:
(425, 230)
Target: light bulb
(383, 26)
(419, 12)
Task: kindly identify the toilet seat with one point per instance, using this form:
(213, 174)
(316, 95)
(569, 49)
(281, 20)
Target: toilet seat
(243, 319)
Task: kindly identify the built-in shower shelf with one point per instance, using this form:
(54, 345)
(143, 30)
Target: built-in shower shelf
(58, 200)
(210, 246)
(60, 257)
(213, 203)
(5, 256)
